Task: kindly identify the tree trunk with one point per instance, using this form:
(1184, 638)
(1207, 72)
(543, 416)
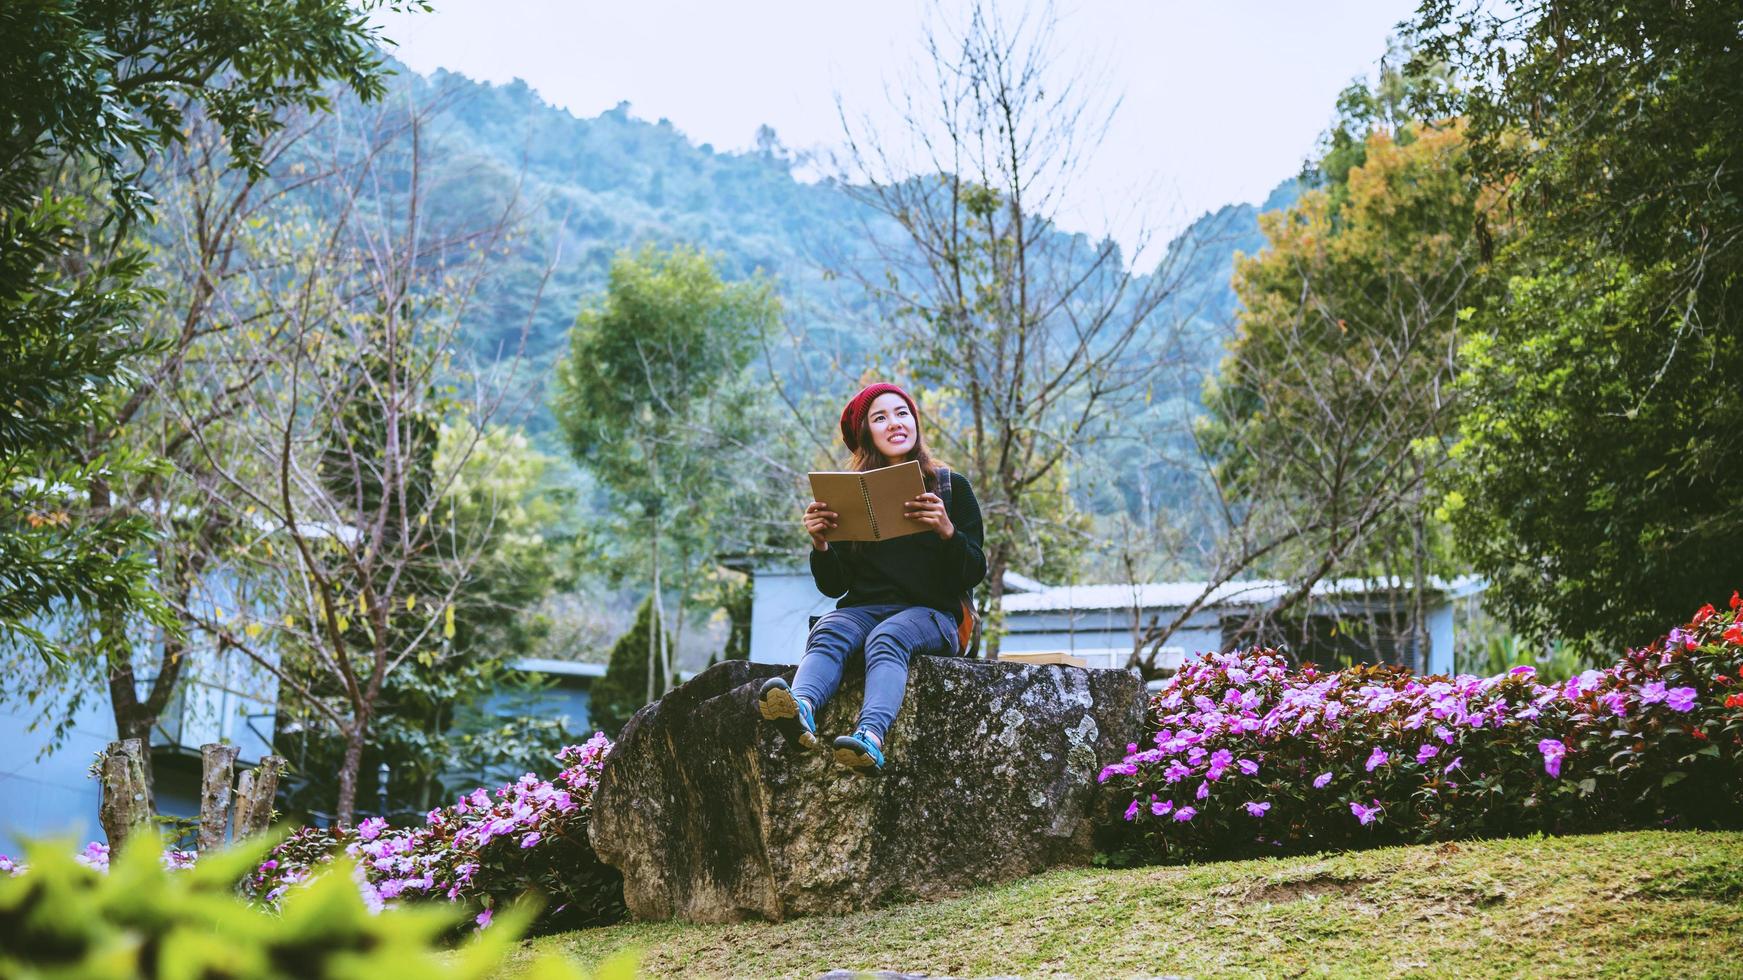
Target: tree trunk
(255, 793)
(126, 802)
(1419, 570)
(996, 563)
(347, 808)
(656, 639)
(217, 765)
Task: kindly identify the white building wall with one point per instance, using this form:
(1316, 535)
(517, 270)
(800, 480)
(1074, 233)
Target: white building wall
(784, 600)
(1440, 638)
(782, 604)
(43, 793)
(48, 795)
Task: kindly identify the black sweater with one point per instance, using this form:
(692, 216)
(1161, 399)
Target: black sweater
(915, 570)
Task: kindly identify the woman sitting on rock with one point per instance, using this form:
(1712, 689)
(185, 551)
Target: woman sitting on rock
(899, 597)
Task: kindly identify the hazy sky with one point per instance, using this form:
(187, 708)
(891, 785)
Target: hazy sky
(1221, 99)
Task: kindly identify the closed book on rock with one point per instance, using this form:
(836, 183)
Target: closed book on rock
(1049, 657)
(868, 505)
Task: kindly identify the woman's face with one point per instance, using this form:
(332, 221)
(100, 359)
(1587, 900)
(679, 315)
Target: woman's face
(894, 430)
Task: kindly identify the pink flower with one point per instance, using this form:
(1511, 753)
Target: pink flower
(1257, 809)
(1553, 752)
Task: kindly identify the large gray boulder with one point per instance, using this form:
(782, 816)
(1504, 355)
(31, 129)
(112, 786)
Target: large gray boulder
(991, 777)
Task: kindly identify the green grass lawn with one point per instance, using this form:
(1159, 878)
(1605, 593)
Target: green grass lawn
(1635, 904)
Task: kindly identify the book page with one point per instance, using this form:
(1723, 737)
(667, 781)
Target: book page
(868, 506)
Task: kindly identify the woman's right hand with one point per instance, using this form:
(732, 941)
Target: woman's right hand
(819, 520)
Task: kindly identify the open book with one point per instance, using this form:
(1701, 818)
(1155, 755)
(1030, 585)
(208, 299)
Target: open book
(868, 505)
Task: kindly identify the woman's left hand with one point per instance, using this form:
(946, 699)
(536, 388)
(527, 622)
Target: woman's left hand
(928, 509)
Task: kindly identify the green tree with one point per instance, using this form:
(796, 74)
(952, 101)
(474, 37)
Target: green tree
(1598, 458)
(1329, 414)
(655, 402)
(623, 689)
(92, 89)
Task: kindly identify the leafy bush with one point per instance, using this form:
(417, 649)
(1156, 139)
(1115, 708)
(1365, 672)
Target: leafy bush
(1249, 756)
(65, 917)
(484, 851)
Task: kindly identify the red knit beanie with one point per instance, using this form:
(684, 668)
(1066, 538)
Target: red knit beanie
(853, 416)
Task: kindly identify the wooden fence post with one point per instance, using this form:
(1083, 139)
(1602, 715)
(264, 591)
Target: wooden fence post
(126, 799)
(255, 791)
(217, 763)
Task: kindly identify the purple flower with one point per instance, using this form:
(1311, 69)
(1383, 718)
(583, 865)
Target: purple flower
(1320, 781)
(1161, 809)
(1377, 759)
(1257, 809)
(1248, 766)
(1365, 814)
(1523, 670)
(1185, 813)
(1426, 753)
(1456, 763)
(1680, 698)
(1617, 702)
(529, 840)
(371, 828)
(1132, 811)
(1652, 692)
(1553, 752)
(1203, 790)
(483, 918)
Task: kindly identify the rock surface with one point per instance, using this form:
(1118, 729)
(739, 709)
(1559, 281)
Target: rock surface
(991, 777)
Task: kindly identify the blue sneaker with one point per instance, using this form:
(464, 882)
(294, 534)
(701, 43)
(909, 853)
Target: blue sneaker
(790, 716)
(860, 753)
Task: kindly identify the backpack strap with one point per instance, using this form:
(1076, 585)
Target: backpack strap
(965, 628)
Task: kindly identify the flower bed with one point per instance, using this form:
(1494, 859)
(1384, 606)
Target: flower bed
(1248, 756)
(484, 850)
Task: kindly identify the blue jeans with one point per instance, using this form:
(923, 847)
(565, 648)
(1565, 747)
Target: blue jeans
(885, 636)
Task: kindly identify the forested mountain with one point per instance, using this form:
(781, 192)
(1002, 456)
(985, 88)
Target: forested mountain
(588, 188)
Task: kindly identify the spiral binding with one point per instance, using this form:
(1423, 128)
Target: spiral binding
(866, 496)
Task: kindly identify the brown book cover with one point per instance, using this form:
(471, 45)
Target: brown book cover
(1050, 657)
(868, 505)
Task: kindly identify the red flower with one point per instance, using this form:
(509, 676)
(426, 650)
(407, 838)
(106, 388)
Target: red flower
(1698, 733)
(1734, 634)
(1704, 613)
(1736, 599)
(1734, 701)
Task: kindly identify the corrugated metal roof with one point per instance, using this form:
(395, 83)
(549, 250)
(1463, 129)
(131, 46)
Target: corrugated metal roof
(1177, 595)
(571, 668)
